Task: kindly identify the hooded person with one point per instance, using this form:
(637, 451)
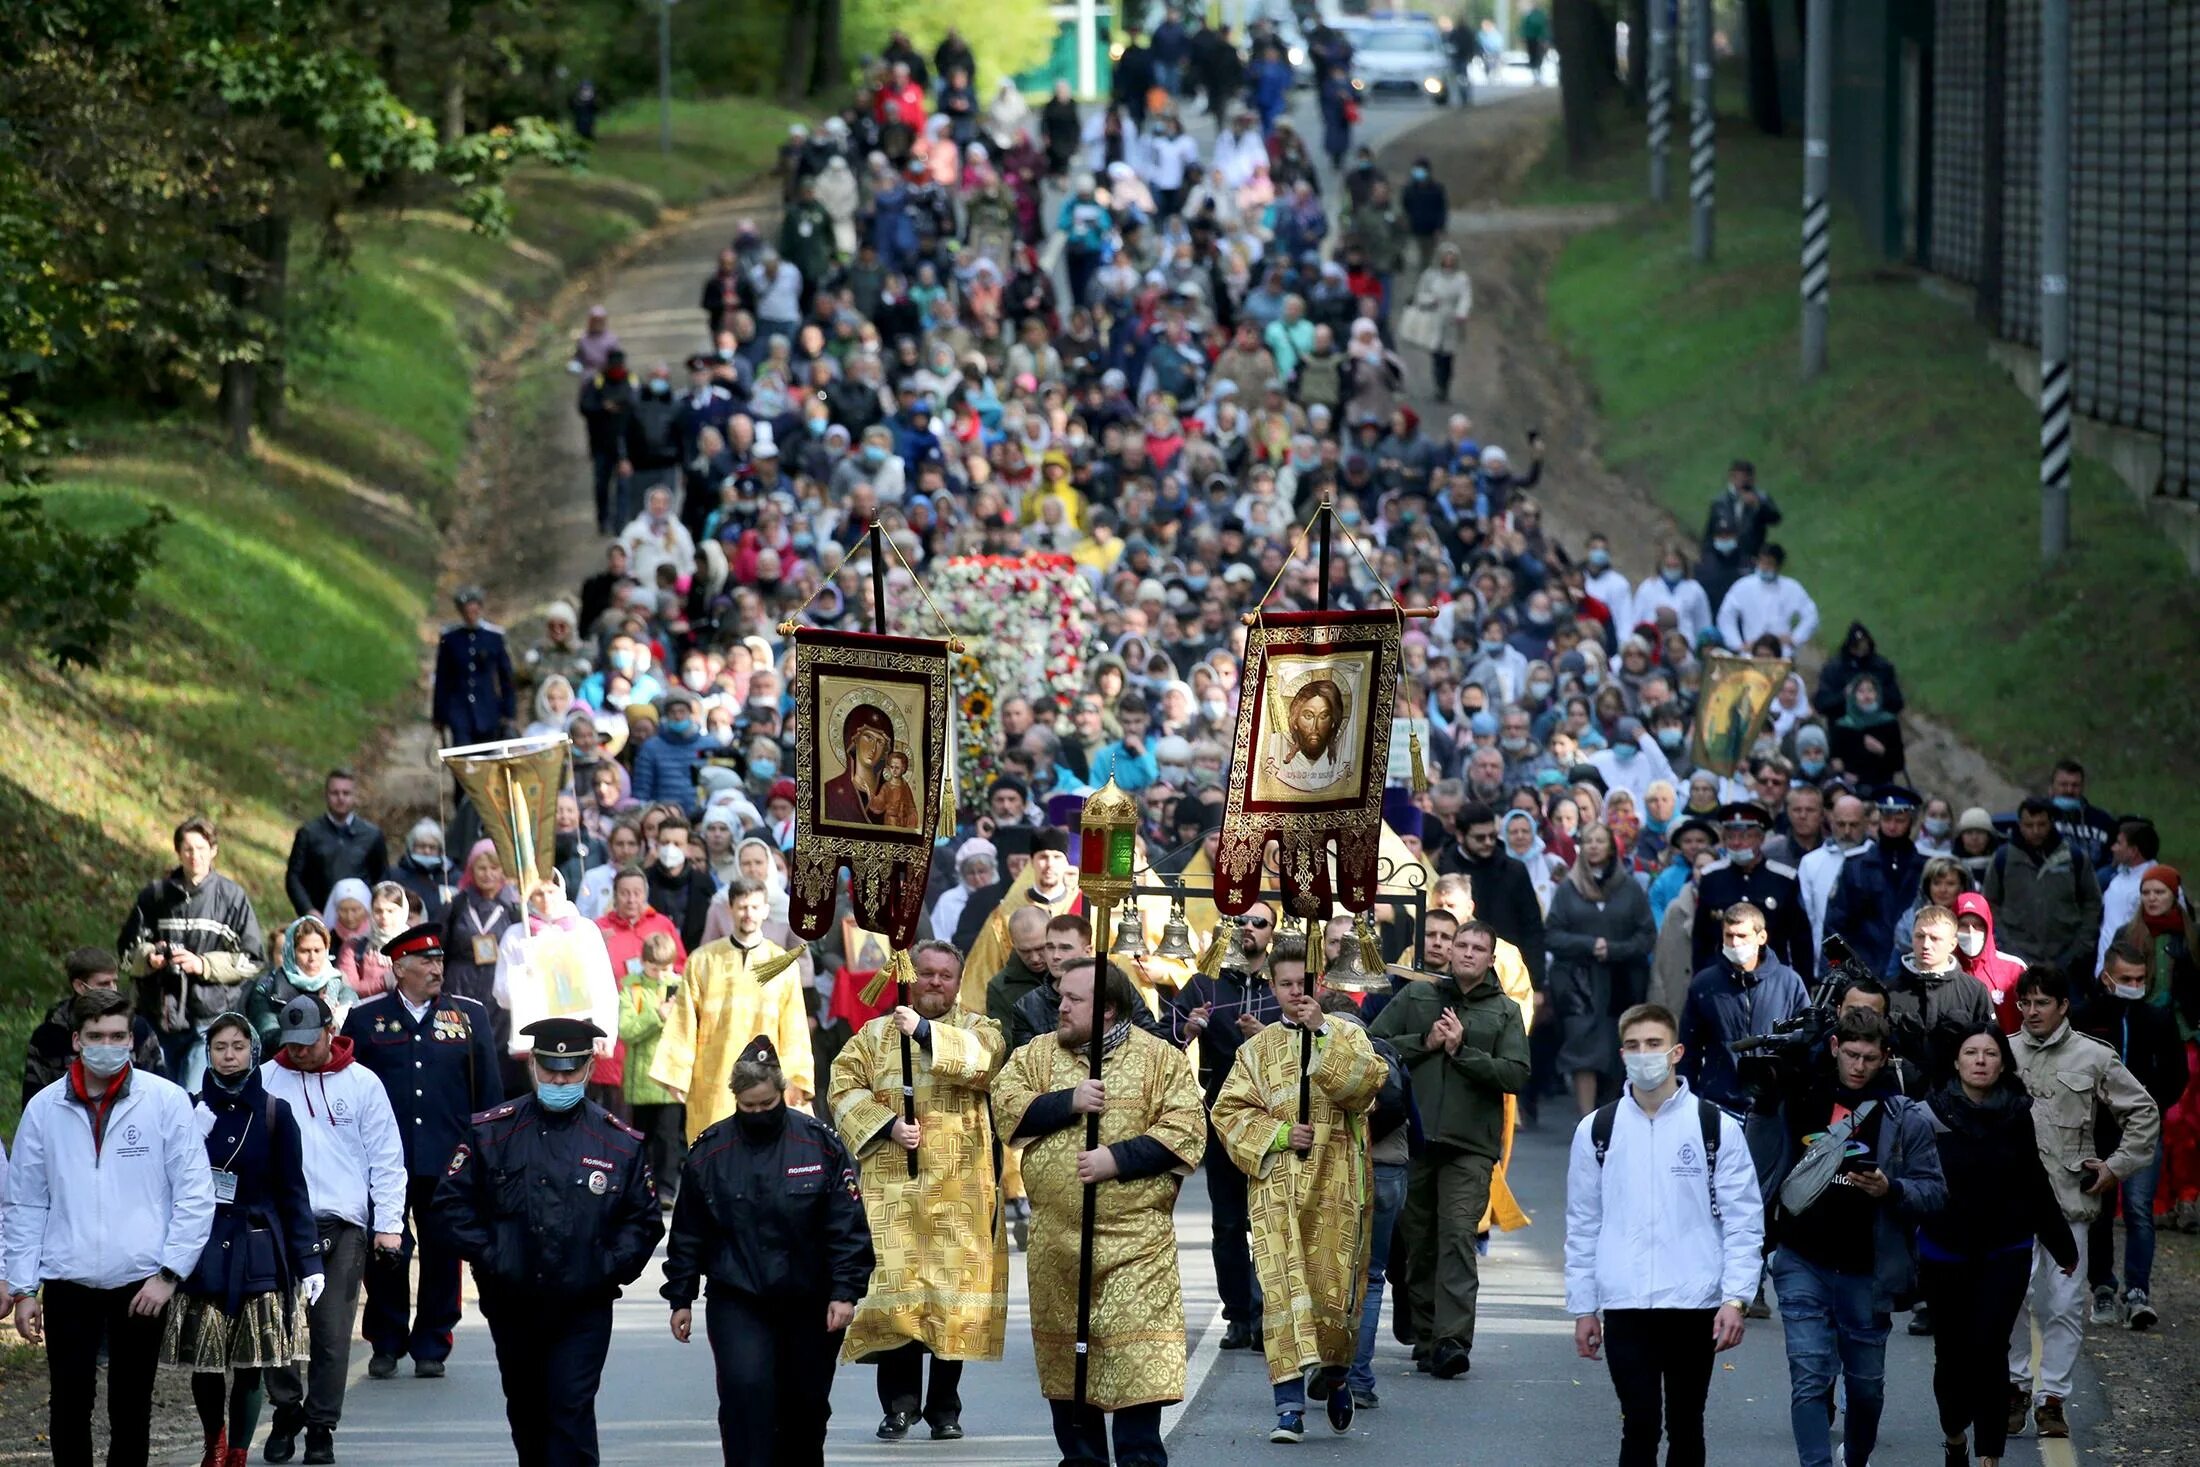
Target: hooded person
(1858, 656)
(1977, 955)
(424, 870)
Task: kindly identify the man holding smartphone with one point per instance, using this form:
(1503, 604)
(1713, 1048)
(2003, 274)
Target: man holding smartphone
(1844, 1256)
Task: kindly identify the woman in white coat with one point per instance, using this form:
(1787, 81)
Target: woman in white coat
(1436, 322)
(837, 191)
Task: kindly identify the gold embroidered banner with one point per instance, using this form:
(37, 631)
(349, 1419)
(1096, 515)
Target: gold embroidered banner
(1731, 710)
(870, 751)
(1312, 747)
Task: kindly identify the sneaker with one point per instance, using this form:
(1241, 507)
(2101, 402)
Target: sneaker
(2020, 1406)
(1290, 1428)
(428, 1370)
(381, 1367)
(2105, 1308)
(1366, 1400)
(2048, 1417)
(2138, 1312)
(1340, 1410)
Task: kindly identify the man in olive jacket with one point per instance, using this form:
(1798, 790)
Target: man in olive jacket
(1465, 1049)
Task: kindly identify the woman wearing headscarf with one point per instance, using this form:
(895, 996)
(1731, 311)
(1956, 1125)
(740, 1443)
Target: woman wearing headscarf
(1600, 936)
(243, 1309)
(305, 966)
(1524, 844)
(1975, 1254)
(361, 960)
(553, 705)
(424, 870)
(1866, 740)
(720, 833)
(346, 913)
(482, 910)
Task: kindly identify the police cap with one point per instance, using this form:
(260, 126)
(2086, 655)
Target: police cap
(563, 1045)
(1744, 813)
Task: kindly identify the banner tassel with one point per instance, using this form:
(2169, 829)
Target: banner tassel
(1317, 950)
(1218, 947)
(1371, 948)
(771, 968)
(898, 969)
(1420, 771)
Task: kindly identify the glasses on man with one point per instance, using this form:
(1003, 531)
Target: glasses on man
(1259, 924)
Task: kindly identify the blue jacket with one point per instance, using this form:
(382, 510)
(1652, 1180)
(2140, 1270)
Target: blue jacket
(1130, 774)
(439, 1070)
(1271, 88)
(264, 1239)
(1875, 889)
(664, 768)
(1720, 1010)
(474, 692)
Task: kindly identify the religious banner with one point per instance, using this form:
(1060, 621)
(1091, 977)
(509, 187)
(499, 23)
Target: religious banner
(871, 753)
(1731, 710)
(1307, 767)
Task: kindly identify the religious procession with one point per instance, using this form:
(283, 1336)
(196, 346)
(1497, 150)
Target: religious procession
(1070, 706)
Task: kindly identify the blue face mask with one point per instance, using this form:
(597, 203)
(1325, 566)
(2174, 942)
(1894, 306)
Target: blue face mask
(1669, 739)
(1590, 677)
(1420, 173)
(1600, 559)
(763, 768)
(560, 1097)
(1810, 766)
(1539, 690)
(816, 426)
(1742, 857)
(1493, 644)
(873, 454)
(1624, 752)
(679, 727)
(1768, 576)
(1670, 577)
(2069, 804)
(1725, 547)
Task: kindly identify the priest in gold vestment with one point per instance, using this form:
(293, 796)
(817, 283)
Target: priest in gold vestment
(1153, 1130)
(1311, 1188)
(940, 1286)
(723, 1004)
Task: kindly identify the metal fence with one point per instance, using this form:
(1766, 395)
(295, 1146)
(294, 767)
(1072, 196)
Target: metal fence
(2135, 277)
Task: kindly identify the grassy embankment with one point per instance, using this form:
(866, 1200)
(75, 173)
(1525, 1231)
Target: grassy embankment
(281, 626)
(1908, 474)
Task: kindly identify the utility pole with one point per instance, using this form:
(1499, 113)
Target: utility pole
(1702, 131)
(2054, 279)
(1661, 95)
(664, 75)
(1817, 171)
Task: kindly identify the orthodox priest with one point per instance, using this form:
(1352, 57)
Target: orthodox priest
(735, 989)
(1049, 883)
(1153, 1131)
(940, 1285)
(1310, 1187)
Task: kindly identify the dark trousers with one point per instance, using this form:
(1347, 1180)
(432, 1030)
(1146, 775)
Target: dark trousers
(901, 1384)
(1441, 363)
(1975, 1307)
(550, 1354)
(1233, 1224)
(318, 1398)
(427, 1335)
(1447, 1191)
(604, 476)
(1082, 1434)
(78, 1319)
(664, 1137)
(775, 1377)
(1660, 1361)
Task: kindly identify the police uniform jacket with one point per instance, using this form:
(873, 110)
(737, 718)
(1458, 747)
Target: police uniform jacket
(778, 1219)
(439, 1069)
(557, 1203)
(1771, 887)
(1876, 887)
(474, 693)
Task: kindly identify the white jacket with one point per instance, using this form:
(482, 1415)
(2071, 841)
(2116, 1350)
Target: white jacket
(112, 1214)
(1691, 607)
(1818, 873)
(1611, 588)
(1755, 606)
(354, 1161)
(1639, 1232)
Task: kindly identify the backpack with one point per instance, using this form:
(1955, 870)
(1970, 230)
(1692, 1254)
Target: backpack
(1707, 1115)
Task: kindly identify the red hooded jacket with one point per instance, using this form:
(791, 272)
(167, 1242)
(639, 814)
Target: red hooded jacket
(1996, 969)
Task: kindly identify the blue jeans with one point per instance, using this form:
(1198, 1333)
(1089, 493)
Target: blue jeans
(1832, 1330)
(2138, 1210)
(184, 1052)
(1390, 1200)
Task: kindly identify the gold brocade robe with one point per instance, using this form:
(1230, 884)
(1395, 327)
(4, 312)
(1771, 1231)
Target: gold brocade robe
(722, 1007)
(990, 949)
(1137, 1353)
(1310, 1214)
(941, 1241)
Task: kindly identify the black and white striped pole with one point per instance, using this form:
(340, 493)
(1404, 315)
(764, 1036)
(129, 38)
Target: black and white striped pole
(1817, 172)
(2054, 279)
(1702, 130)
(1661, 96)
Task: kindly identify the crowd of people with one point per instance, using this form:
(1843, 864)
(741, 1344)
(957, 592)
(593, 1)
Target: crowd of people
(1080, 336)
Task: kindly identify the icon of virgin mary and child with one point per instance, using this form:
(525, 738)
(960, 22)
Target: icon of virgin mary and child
(872, 787)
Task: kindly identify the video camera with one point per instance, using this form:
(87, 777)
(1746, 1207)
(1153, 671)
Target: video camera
(1769, 1062)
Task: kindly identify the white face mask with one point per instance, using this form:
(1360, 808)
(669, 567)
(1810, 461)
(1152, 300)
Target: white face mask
(2131, 991)
(1970, 944)
(1648, 1071)
(672, 857)
(1741, 956)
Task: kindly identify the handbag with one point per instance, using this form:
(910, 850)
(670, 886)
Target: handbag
(1421, 326)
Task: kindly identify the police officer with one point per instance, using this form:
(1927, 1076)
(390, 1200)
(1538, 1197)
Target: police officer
(1878, 885)
(1741, 874)
(551, 1200)
(434, 1054)
(771, 1214)
(475, 696)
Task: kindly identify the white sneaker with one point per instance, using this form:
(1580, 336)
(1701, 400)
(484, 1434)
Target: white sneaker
(2107, 1308)
(2138, 1311)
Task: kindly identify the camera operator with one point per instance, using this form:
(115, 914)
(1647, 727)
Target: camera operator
(1933, 1003)
(1746, 994)
(1843, 1263)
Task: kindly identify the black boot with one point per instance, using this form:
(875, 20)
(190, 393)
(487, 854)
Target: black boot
(282, 1434)
(320, 1444)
